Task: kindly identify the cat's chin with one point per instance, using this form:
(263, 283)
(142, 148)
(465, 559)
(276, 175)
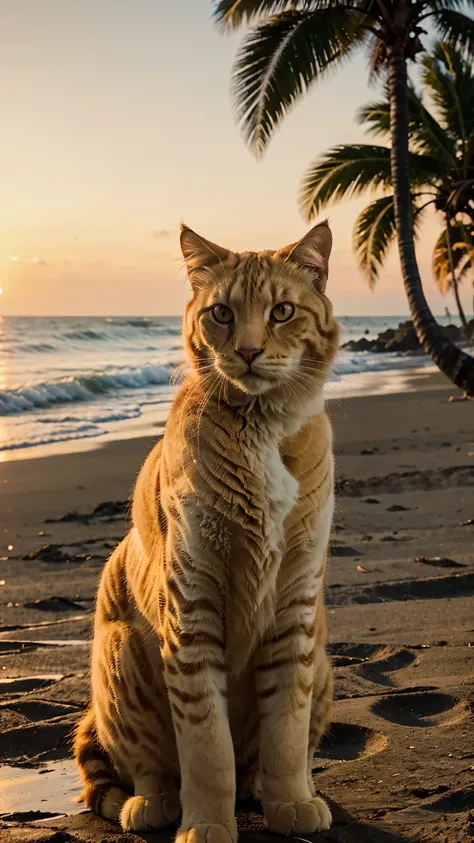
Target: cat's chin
(253, 384)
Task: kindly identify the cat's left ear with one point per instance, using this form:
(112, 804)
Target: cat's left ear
(311, 252)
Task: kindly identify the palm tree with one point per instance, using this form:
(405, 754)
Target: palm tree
(295, 42)
(453, 260)
(441, 150)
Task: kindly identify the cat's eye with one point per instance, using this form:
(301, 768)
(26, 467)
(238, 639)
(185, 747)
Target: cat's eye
(222, 314)
(282, 312)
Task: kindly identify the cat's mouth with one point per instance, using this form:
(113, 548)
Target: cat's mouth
(258, 377)
(251, 381)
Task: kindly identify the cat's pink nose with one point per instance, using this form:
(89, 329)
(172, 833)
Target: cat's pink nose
(249, 354)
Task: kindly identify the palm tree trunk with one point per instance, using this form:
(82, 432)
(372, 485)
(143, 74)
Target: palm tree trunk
(454, 280)
(453, 362)
(462, 315)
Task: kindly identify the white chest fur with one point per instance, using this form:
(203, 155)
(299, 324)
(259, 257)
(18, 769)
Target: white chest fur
(255, 575)
(280, 490)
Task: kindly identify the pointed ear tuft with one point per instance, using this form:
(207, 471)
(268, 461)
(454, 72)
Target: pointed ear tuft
(312, 253)
(198, 252)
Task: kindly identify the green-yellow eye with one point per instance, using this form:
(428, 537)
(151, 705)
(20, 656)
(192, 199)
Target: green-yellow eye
(282, 312)
(222, 314)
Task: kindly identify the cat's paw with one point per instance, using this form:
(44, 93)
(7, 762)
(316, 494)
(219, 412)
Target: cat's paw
(298, 817)
(209, 833)
(146, 813)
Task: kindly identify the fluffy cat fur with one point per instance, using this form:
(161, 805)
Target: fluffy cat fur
(209, 671)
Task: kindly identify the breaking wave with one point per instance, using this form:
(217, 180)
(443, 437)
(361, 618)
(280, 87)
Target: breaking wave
(80, 388)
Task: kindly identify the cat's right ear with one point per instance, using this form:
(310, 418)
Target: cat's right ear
(199, 254)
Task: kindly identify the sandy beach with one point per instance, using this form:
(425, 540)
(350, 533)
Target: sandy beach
(398, 761)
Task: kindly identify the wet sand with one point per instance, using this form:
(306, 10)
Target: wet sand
(397, 763)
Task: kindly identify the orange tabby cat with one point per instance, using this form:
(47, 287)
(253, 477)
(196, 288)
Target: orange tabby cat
(209, 670)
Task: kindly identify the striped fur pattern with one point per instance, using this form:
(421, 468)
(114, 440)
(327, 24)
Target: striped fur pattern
(209, 671)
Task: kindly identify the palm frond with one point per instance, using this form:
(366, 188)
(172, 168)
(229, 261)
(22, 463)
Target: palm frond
(279, 59)
(425, 133)
(378, 56)
(465, 269)
(377, 116)
(436, 5)
(456, 28)
(441, 265)
(234, 13)
(374, 233)
(462, 250)
(347, 171)
(448, 77)
(342, 173)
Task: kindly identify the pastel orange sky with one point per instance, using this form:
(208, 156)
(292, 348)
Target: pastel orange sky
(116, 124)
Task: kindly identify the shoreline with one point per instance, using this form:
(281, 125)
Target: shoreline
(368, 384)
(73, 384)
(80, 480)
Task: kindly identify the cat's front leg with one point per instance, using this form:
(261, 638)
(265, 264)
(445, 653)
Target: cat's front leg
(285, 673)
(196, 677)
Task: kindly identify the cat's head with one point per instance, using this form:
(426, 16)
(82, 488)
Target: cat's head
(261, 320)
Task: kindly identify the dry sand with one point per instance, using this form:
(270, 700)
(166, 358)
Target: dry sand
(398, 761)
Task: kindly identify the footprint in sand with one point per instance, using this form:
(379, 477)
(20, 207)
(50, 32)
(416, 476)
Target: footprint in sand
(349, 742)
(347, 654)
(375, 660)
(455, 802)
(424, 709)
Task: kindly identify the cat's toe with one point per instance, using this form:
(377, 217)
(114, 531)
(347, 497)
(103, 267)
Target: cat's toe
(146, 813)
(298, 817)
(209, 833)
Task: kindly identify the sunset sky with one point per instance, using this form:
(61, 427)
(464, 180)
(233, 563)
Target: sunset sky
(117, 124)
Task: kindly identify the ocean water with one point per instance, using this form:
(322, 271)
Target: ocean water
(69, 383)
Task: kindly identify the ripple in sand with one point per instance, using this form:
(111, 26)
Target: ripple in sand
(25, 684)
(10, 645)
